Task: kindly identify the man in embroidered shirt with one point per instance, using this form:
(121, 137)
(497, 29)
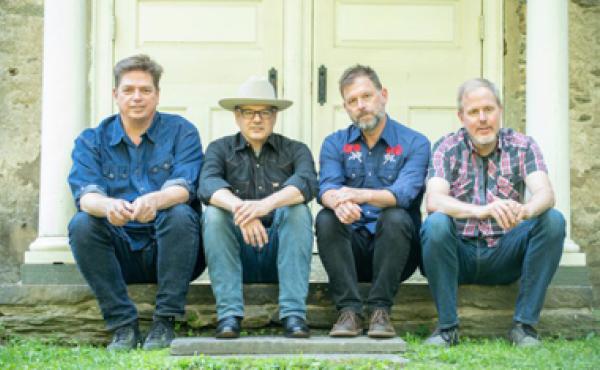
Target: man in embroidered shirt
(257, 227)
(134, 180)
(480, 229)
(371, 184)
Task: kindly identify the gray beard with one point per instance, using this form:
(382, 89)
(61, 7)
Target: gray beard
(369, 126)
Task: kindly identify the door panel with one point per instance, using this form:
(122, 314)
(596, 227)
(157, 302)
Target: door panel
(421, 50)
(207, 49)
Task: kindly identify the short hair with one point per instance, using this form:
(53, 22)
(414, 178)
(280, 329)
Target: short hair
(140, 62)
(474, 84)
(358, 70)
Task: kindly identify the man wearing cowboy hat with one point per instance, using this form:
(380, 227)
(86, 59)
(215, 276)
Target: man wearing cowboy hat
(257, 227)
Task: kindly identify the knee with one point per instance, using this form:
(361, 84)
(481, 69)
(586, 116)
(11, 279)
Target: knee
(181, 216)
(83, 225)
(215, 218)
(326, 221)
(396, 219)
(436, 228)
(297, 215)
(553, 221)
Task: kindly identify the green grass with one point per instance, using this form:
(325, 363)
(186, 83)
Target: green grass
(470, 354)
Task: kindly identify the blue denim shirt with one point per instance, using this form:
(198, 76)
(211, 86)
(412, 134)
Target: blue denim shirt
(397, 162)
(106, 161)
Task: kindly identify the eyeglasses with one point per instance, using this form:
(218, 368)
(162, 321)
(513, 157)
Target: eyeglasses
(249, 113)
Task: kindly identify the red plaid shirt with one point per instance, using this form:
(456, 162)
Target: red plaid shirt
(455, 160)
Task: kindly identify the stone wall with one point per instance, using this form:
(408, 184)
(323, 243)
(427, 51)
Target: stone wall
(21, 25)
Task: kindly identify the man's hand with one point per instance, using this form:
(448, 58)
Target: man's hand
(358, 196)
(249, 210)
(254, 233)
(119, 212)
(144, 208)
(347, 212)
(506, 212)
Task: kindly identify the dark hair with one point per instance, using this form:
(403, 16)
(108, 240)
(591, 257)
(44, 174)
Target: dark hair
(140, 62)
(355, 71)
(474, 84)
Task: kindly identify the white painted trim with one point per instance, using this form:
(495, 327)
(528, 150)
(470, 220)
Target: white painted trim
(101, 60)
(493, 42)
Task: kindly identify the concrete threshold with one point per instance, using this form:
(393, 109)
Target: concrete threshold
(254, 346)
(332, 357)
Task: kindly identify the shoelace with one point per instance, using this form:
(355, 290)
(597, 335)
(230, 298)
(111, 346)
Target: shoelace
(158, 329)
(122, 333)
(348, 316)
(380, 317)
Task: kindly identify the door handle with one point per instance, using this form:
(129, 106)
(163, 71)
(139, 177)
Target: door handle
(322, 94)
(273, 78)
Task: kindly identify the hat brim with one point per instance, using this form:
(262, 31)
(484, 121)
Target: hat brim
(231, 103)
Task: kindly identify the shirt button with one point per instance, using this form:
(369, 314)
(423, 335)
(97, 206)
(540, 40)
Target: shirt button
(260, 188)
(142, 189)
(369, 152)
(369, 173)
(257, 165)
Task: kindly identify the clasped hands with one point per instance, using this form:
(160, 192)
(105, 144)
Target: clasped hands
(143, 209)
(246, 215)
(507, 212)
(346, 203)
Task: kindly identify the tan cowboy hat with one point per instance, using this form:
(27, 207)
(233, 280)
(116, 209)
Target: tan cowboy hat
(255, 91)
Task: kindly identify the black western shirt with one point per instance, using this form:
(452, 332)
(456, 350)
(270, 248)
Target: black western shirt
(231, 163)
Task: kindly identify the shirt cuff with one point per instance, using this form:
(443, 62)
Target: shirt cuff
(400, 200)
(324, 188)
(91, 188)
(178, 182)
(209, 186)
(300, 185)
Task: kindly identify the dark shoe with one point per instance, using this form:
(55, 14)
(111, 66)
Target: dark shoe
(295, 327)
(348, 324)
(380, 325)
(443, 337)
(229, 327)
(524, 335)
(161, 333)
(125, 338)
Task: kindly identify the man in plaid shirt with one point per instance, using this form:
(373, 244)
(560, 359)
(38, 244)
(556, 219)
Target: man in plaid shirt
(480, 229)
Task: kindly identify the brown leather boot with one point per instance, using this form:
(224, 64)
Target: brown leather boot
(348, 324)
(380, 325)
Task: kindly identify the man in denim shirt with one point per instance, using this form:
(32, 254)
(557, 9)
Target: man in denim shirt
(371, 183)
(257, 227)
(134, 180)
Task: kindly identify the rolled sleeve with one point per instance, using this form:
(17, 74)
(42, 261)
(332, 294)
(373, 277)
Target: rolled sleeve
(212, 176)
(411, 179)
(305, 176)
(331, 174)
(187, 161)
(86, 172)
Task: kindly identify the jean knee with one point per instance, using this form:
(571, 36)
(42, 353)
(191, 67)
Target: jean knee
(437, 228)
(215, 217)
(397, 219)
(554, 221)
(297, 215)
(326, 222)
(179, 214)
(82, 225)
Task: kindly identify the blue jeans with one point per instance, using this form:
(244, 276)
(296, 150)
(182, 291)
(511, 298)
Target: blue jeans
(531, 251)
(285, 259)
(107, 263)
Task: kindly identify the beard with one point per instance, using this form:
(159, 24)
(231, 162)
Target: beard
(369, 125)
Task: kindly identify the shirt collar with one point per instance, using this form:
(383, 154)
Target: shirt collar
(119, 134)
(469, 143)
(387, 134)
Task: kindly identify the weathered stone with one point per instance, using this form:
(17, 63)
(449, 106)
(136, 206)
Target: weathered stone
(277, 345)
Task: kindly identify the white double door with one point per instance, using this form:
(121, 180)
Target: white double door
(422, 50)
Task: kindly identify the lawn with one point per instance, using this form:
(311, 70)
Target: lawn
(470, 354)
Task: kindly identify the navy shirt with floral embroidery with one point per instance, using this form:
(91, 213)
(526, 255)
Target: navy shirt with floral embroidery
(106, 161)
(397, 162)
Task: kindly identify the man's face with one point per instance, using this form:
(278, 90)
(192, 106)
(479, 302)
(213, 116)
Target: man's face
(364, 103)
(481, 116)
(136, 96)
(256, 122)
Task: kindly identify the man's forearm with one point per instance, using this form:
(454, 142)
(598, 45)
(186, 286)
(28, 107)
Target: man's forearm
(379, 197)
(170, 196)
(95, 204)
(224, 198)
(453, 207)
(287, 196)
(540, 202)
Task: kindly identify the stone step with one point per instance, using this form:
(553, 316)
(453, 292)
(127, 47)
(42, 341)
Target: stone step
(397, 360)
(278, 345)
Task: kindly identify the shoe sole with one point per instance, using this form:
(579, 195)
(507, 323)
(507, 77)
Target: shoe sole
(227, 335)
(345, 334)
(380, 334)
(297, 335)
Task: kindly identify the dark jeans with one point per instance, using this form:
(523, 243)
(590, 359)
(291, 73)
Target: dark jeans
(352, 256)
(107, 263)
(530, 251)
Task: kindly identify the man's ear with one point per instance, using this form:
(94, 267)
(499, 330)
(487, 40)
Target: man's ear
(384, 93)
(114, 93)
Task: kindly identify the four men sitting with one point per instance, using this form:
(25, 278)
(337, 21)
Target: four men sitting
(138, 177)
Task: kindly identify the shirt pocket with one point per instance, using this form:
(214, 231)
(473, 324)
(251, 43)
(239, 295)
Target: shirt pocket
(355, 176)
(506, 188)
(160, 170)
(388, 173)
(277, 174)
(462, 189)
(117, 178)
(240, 189)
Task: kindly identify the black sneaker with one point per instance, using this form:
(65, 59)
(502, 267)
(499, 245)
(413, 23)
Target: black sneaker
(125, 338)
(443, 337)
(524, 335)
(161, 333)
